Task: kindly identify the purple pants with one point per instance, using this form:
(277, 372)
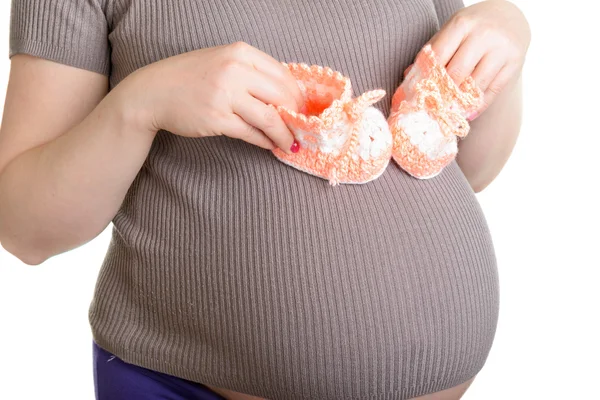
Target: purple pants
(114, 379)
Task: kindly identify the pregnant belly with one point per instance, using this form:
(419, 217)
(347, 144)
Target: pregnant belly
(280, 286)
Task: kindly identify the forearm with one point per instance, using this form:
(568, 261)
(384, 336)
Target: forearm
(485, 151)
(60, 195)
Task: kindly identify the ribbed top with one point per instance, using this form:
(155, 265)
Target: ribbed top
(229, 268)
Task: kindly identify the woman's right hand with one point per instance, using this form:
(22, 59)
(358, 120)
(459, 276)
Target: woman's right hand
(215, 91)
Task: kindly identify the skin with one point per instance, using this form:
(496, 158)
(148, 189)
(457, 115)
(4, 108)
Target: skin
(488, 41)
(68, 200)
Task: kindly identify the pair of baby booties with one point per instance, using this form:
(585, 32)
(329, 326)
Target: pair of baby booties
(346, 140)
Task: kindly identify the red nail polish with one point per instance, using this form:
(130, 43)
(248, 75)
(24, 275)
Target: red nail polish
(295, 147)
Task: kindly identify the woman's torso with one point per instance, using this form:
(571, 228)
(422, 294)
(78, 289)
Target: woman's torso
(229, 268)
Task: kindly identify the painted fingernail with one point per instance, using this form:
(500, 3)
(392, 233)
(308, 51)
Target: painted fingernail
(295, 147)
(473, 115)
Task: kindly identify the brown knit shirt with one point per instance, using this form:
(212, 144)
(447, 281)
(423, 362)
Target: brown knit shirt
(230, 268)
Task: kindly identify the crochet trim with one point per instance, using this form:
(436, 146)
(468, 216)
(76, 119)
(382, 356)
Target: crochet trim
(346, 140)
(429, 114)
(336, 141)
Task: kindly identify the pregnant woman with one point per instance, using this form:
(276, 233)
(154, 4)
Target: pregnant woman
(230, 274)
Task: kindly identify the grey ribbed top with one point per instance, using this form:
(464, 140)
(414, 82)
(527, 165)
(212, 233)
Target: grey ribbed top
(229, 268)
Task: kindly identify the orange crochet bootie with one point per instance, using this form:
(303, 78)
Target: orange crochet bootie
(429, 113)
(342, 139)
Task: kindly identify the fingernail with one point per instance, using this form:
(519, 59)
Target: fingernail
(295, 147)
(473, 115)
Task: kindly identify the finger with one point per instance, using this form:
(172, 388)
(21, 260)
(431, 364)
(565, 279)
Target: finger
(487, 70)
(290, 82)
(270, 67)
(237, 128)
(497, 86)
(266, 119)
(447, 41)
(466, 58)
(269, 90)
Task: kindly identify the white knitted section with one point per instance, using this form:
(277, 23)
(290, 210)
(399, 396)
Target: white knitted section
(375, 137)
(327, 141)
(424, 132)
(410, 81)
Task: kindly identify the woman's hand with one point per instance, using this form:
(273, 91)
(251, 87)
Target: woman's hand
(488, 40)
(222, 90)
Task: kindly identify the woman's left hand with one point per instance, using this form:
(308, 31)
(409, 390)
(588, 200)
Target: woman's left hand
(489, 41)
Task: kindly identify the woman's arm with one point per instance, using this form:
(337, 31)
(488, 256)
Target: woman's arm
(489, 41)
(485, 151)
(67, 157)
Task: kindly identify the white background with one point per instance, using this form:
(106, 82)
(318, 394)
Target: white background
(542, 210)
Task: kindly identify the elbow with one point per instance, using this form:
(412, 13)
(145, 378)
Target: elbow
(479, 182)
(478, 187)
(26, 257)
(31, 259)
(34, 247)
(27, 254)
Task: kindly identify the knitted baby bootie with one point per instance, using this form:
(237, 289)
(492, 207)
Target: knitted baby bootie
(341, 139)
(429, 113)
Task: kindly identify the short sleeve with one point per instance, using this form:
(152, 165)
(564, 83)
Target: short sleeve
(446, 8)
(71, 32)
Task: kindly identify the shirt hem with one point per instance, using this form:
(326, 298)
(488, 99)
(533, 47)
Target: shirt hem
(170, 368)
